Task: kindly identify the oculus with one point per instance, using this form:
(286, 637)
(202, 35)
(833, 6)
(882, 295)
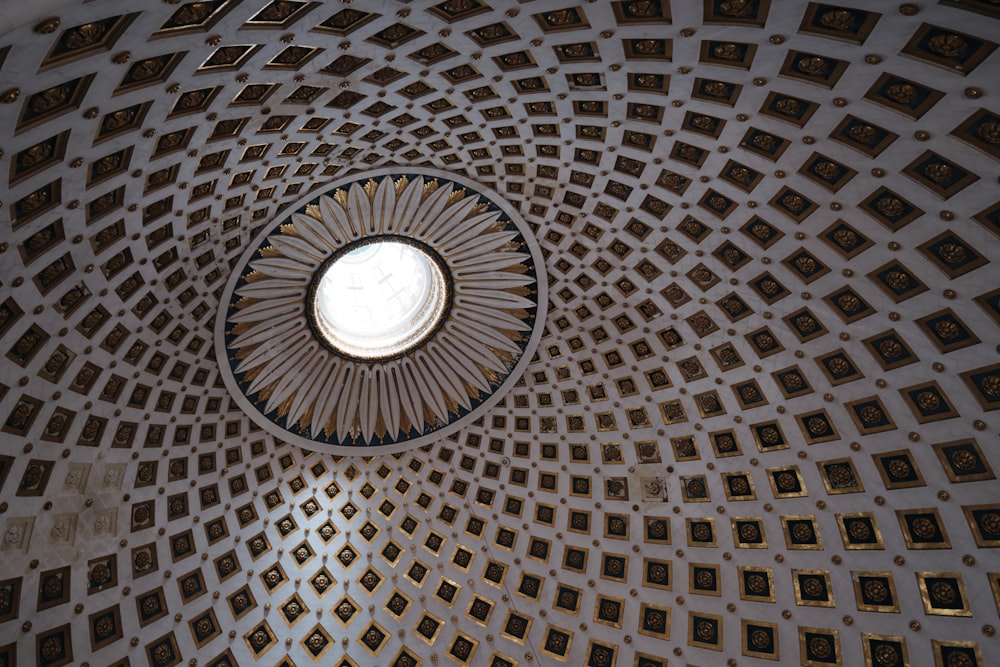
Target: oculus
(386, 313)
(379, 297)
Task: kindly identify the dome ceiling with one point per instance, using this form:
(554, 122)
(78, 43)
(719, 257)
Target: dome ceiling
(760, 426)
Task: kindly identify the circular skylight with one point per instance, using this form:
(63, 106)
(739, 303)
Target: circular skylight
(379, 298)
(379, 314)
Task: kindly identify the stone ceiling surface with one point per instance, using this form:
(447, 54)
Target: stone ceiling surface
(761, 425)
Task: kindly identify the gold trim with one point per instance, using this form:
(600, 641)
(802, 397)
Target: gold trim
(937, 646)
(489, 614)
(386, 636)
(818, 538)
(816, 439)
(616, 536)
(687, 442)
(418, 583)
(993, 515)
(611, 577)
(805, 648)
(644, 608)
(472, 651)
(861, 307)
(831, 485)
(889, 591)
(912, 50)
(936, 525)
(862, 520)
(880, 460)
(667, 565)
(698, 485)
(611, 648)
(746, 638)
(989, 384)
(97, 642)
(656, 520)
(723, 92)
(742, 13)
(296, 10)
(621, 18)
(867, 149)
(793, 470)
(48, 154)
(733, 495)
(698, 635)
(934, 398)
(561, 657)
(943, 593)
(709, 575)
(578, 598)
(749, 595)
(738, 538)
(621, 606)
(964, 133)
(311, 52)
(348, 599)
(802, 390)
(251, 601)
(995, 587)
(724, 56)
(800, 600)
(918, 285)
(454, 584)
(263, 625)
(808, 27)
(829, 70)
(439, 623)
(107, 38)
(950, 464)
(202, 25)
(933, 96)
(922, 179)
(801, 261)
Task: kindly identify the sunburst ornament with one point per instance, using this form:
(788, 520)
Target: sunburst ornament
(386, 313)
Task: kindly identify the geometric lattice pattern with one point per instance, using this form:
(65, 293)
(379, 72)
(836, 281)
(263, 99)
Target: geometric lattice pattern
(761, 426)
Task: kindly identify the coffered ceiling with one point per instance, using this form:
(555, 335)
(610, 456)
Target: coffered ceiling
(760, 426)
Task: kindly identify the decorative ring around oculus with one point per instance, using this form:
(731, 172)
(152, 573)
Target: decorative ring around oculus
(470, 323)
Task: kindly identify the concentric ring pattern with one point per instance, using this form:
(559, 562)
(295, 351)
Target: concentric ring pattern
(760, 426)
(309, 392)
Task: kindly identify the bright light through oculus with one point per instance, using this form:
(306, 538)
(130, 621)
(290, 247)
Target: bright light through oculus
(379, 299)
